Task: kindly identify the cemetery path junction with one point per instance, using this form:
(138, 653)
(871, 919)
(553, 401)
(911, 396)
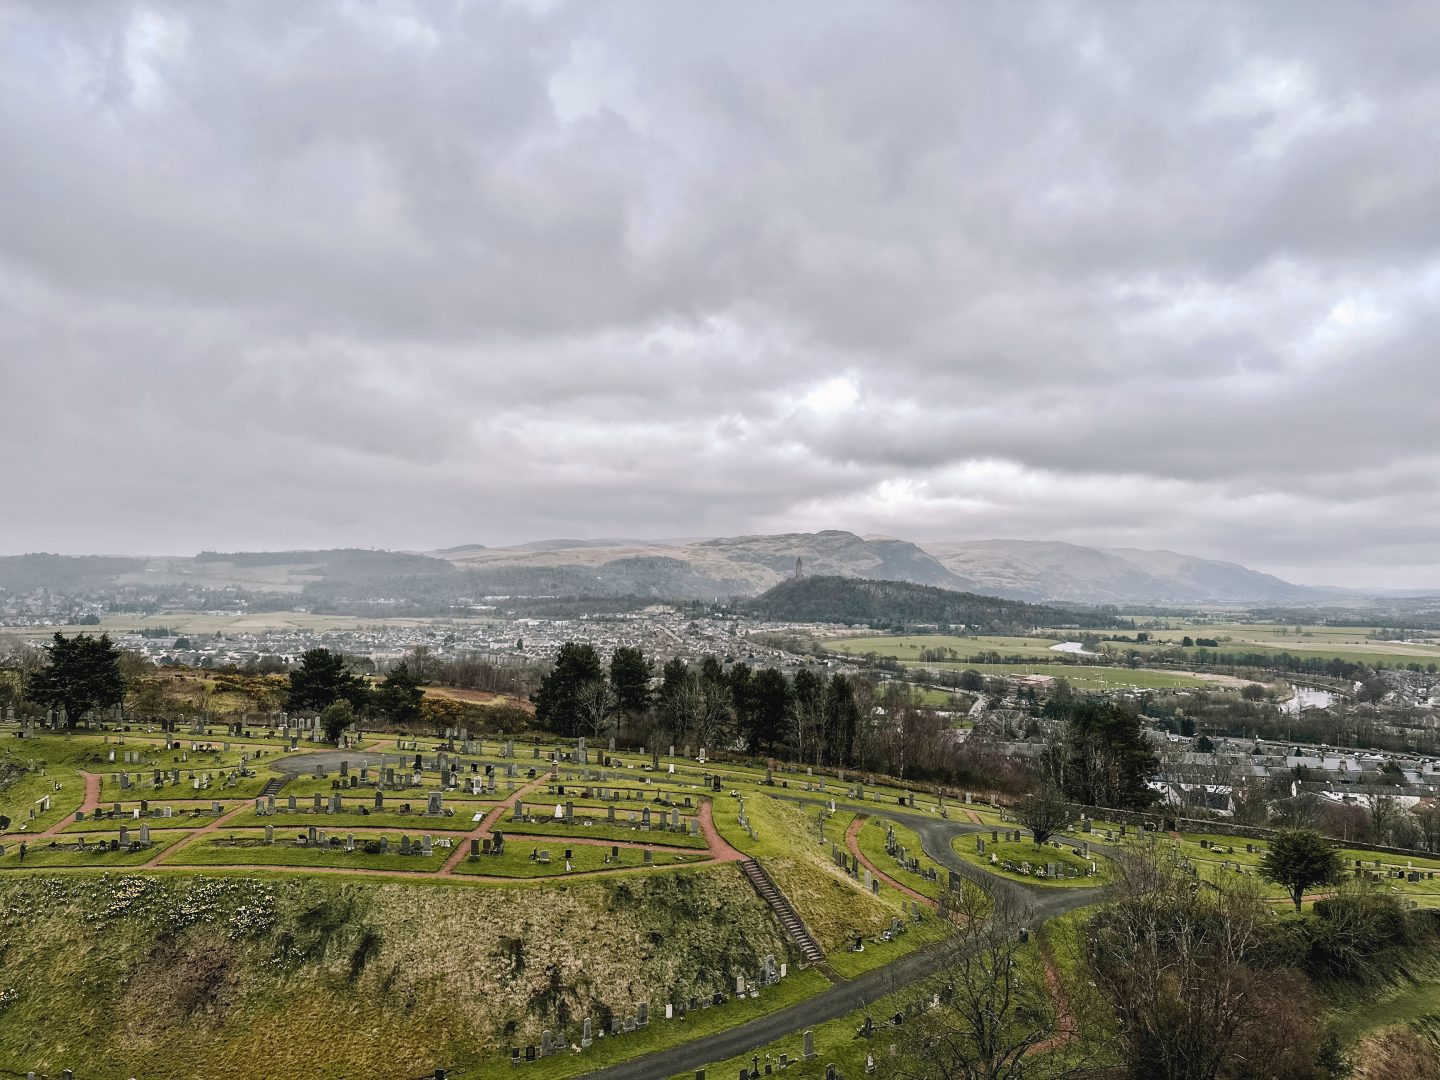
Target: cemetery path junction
(1043, 903)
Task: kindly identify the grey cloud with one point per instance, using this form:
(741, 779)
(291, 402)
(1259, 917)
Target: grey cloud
(407, 274)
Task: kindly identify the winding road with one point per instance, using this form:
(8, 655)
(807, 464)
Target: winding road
(1041, 903)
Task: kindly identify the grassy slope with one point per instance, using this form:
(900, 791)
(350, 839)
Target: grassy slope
(188, 977)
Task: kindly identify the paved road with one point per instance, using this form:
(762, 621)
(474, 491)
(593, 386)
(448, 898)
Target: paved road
(1043, 903)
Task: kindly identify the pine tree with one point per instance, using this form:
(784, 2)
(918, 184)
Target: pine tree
(82, 673)
(557, 702)
(321, 680)
(630, 680)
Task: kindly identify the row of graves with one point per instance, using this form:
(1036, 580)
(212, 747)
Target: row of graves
(556, 1041)
(643, 820)
(857, 871)
(198, 780)
(269, 806)
(1233, 866)
(911, 863)
(854, 788)
(128, 840)
(474, 778)
(315, 838)
(743, 820)
(31, 728)
(143, 809)
(541, 856)
(173, 744)
(1379, 872)
(1049, 871)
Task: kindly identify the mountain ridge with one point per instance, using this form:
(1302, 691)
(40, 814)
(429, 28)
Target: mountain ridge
(1033, 571)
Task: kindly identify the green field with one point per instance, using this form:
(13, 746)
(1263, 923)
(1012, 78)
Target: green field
(1089, 677)
(1342, 642)
(909, 646)
(1345, 643)
(907, 649)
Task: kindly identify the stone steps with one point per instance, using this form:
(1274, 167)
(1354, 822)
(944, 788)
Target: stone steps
(794, 927)
(273, 785)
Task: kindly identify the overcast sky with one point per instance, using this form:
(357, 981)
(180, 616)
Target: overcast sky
(1157, 275)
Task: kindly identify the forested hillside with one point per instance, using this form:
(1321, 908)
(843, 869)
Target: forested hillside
(899, 603)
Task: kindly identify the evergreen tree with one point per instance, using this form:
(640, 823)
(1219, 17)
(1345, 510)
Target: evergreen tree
(557, 702)
(399, 698)
(841, 720)
(630, 680)
(321, 680)
(770, 711)
(335, 718)
(807, 687)
(1300, 859)
(672, 676)
(741, 683)
(81, 673)
(1108, 758)
(712, 671)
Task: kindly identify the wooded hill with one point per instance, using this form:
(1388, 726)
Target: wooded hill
(899, 604)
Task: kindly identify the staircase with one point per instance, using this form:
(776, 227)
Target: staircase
(809, 947)
(273, 785)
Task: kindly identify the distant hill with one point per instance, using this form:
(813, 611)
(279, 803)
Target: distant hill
(730, 566)
(1051, 570)
(40, 570)
(714, 568)
(889, 603)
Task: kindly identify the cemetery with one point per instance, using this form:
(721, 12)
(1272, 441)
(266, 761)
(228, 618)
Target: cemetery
(552, 843)
(395, 812)
(1051, 864)
(896, 851)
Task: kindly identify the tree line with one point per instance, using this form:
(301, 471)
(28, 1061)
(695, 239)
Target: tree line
(834, 720)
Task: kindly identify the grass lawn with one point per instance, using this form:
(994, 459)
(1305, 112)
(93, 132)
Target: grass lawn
(1026, 851)
(878, 953)
(1401, 1007)
(66, 852)
(250, 849)
(872, 844)
(794, 848)
(554, 833)
(183, 816)
(662, 1033)
(516, 861)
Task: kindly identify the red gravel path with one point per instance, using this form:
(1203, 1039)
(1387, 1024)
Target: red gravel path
(852, 842)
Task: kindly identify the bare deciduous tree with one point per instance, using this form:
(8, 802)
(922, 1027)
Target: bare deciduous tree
(596, 703)
(988, 1010)
(1044, 812)
(1178, 965)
